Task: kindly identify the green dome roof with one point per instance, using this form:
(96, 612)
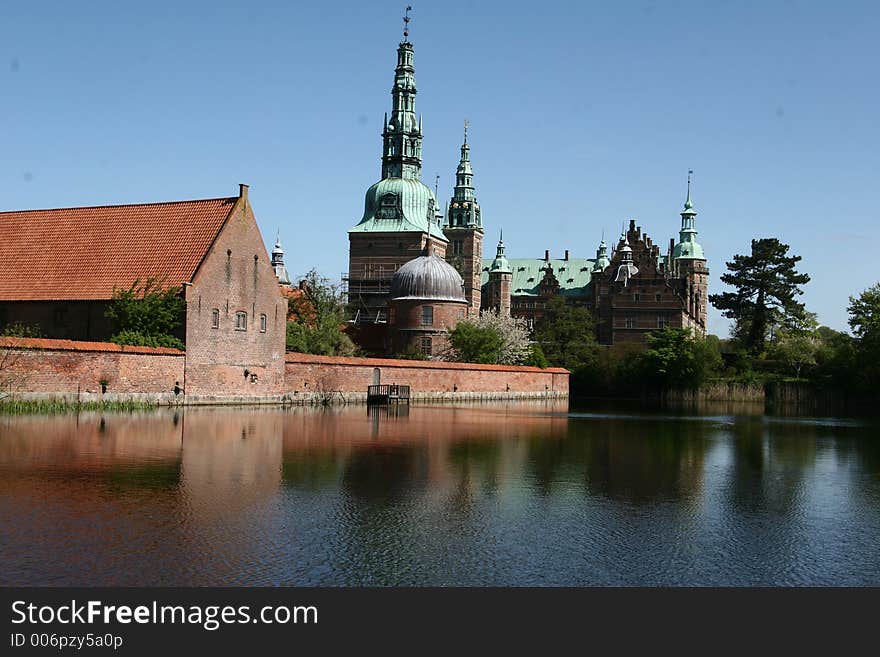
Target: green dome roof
(690, 250)
(400, 204)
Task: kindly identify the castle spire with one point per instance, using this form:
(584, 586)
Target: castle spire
(402, 134)
(687, 246)
(278, 261)
(500, 264)
(464, 210)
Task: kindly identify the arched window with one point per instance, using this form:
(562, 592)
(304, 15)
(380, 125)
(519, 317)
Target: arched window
(263, 323)
(241, 321)
(215, 318)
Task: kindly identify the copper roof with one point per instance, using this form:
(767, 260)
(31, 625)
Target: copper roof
(83, 253)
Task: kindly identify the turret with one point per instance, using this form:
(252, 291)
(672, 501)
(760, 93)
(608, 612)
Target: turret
(278, 262)
(500, 280)
(402, 134)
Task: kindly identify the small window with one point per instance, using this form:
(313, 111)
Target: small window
(637, 297)
(662, 321)
(427, 315)
(215, 318)
(262, 323)
(241, 321)
(658, 297)
(425, 345)
(629, 321)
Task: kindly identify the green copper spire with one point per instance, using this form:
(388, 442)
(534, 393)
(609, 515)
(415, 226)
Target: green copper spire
(687, 246)
(602, 259)
(464, 210)
(402, 134)
(500, 263)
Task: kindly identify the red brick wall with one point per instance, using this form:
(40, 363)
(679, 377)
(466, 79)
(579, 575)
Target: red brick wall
(307, 373)
(407, 328)
(236, 276)
(63, 366)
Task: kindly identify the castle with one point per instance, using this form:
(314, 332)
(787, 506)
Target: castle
(414, 270)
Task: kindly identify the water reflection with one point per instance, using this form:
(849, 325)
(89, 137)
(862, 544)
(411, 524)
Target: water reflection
(501, 494)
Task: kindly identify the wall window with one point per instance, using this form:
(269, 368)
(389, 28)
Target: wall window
(637, 297)
(262, 323)
(215, 318)
(427, 315)
(241, 321)
(629, 321)
(662, 321)
(658, 297)
(425, 345)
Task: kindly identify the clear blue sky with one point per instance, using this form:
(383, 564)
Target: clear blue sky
(583, 115)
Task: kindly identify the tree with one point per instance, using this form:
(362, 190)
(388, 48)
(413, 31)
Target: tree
(147, 315)
(567, 334)
(766, 286)
(513, 345)
(795, 349)
(676, 358)
(864, 320)
(475, 344)
(316, 318)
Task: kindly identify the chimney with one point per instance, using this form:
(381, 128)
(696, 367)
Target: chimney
(566, 254)
(671, 244)
(547, 255)
(242, 190)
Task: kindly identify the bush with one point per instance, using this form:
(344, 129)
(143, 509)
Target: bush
(134, 338)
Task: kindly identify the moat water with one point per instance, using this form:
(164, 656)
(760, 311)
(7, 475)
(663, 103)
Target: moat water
(514, 494)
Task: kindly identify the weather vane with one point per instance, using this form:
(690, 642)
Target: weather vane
(436, 184)
(406, 20)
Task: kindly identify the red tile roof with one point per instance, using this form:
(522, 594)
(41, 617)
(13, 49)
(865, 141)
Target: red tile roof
(82, 253)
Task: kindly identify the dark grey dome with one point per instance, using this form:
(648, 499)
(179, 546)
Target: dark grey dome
(427, 277)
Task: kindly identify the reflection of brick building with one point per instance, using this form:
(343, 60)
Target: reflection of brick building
(59, 268)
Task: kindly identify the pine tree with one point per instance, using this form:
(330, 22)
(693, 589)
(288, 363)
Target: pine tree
(767, 287)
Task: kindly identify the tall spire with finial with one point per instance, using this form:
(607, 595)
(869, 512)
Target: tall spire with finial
(402, 133)
(687, 246)
(464, 211)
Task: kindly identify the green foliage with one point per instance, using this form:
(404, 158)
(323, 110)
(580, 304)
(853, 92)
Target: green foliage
(795, 351)
(566, 334)
(536, 357)
(316, 319)
(147, 315)
(134, 338)
(864, 319)
(676, 358)
(20, 330)
(766, 285)
(476, 344)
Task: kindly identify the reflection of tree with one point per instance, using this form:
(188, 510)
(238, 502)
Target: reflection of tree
(382, 473)
(477, 461)
(311, 469)
(636, 460)
(148, 477)
(770, 462)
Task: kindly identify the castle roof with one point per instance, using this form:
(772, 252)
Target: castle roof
(428, 277)
(400, 204)
(84, 253)
(573, 275)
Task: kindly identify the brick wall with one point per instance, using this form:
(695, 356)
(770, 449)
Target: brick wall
(235, 277)
(408, 330)
(306, 373)
(64, 366)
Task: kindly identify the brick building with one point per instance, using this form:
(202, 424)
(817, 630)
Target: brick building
(59, 268)
(427, 299)
(632, 290)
